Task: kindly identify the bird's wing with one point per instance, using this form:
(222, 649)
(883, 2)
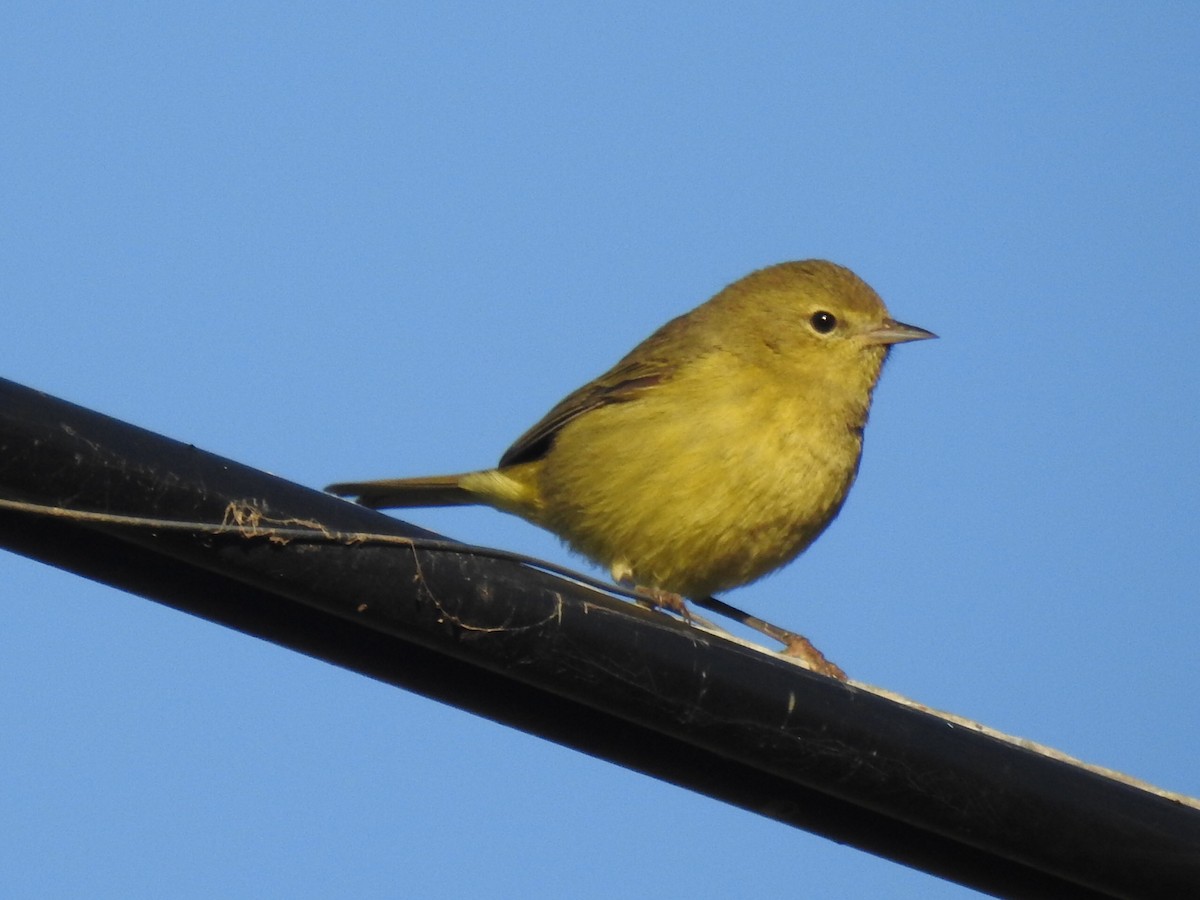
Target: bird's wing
(626, 381)
(652, 362)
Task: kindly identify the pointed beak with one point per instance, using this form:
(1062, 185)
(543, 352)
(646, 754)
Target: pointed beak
(893, 332)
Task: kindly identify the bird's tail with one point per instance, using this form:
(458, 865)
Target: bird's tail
(437, 490)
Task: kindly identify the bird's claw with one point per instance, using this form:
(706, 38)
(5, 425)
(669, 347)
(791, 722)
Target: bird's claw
(654, 598)
(800, 647)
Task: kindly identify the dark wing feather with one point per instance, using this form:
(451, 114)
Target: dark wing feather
(650, 363)
(627, 382)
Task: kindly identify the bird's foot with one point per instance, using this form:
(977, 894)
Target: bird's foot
(795, 645)
(800, 647)
(656, 598)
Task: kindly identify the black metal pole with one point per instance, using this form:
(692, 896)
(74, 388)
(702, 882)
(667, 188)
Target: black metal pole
(563, 661)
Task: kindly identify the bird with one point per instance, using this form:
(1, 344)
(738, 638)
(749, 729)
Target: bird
(713, 453)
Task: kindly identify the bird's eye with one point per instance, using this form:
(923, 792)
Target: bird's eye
(823, 322)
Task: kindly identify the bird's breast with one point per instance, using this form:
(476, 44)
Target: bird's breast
(697, 488)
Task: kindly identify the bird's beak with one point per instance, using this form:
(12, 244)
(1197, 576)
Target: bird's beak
(893, 332)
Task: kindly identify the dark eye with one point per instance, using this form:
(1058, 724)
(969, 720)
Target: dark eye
(823, 322)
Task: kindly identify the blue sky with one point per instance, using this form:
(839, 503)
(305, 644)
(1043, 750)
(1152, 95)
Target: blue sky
(343, 242)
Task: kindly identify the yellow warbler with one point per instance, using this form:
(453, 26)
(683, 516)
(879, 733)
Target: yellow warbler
(713, 453)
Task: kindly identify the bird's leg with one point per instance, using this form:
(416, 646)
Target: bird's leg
(796, 645)
(656, 598)
(652, 597)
